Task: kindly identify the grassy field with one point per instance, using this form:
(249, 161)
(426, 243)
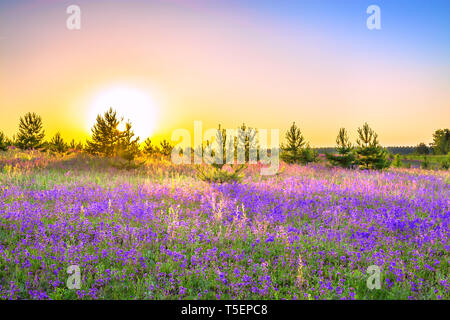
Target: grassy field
(157, 232)
(432, 158)
(435, 161)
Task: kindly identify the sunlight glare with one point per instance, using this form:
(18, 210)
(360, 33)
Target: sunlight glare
(132, 104)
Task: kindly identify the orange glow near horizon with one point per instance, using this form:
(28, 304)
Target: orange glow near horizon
(132, 104)
(164, 65)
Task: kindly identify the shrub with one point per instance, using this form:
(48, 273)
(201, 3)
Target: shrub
(445, 163)
(397, 162)
(214, 174)
(426, 163)
(308, 155)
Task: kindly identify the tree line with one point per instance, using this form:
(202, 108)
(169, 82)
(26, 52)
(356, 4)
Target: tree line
(107, 140)
(366, 154)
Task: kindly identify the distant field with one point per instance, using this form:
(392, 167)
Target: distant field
(431, 158)
(415, 161)
(158, 233)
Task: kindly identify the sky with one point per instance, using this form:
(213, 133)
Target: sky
(265, 63)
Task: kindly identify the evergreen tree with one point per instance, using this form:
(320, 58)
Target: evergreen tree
(221, 140)
(105, 135)
(198, 152)
(344, 148)
(76, 146)
(370, 153)
(292, 151)
(4, 143)
(150, 149)
(166, 148)
(57, 144)
(216, 173)
(31, 133)
(128, 146)
(247, 142)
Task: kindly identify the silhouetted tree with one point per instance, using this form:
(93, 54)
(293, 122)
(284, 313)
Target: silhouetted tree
(370, 153)
(76, 146)
(150, 149)
(166, 148)
(128, 146)
(3, 142)
(31, 133)
(57, 144)
(105, 135)
(344, 148)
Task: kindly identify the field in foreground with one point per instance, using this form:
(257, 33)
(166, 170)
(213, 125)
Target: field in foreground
(158, 233)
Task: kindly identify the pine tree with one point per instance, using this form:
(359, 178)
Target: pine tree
(3, 142)
(128, 146)
(166, 148)
(292, 151)
(370, 154)
(76, 146)
(150, 149)
(247, 141)
(105, 135)
(221, 141)
(216, 174)
(344, 148)
(57, 144)
(31, 133)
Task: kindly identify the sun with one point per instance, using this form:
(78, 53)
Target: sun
(132, 104)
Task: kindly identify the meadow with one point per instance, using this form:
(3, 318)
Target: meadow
(435, 161)
(157, 232)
